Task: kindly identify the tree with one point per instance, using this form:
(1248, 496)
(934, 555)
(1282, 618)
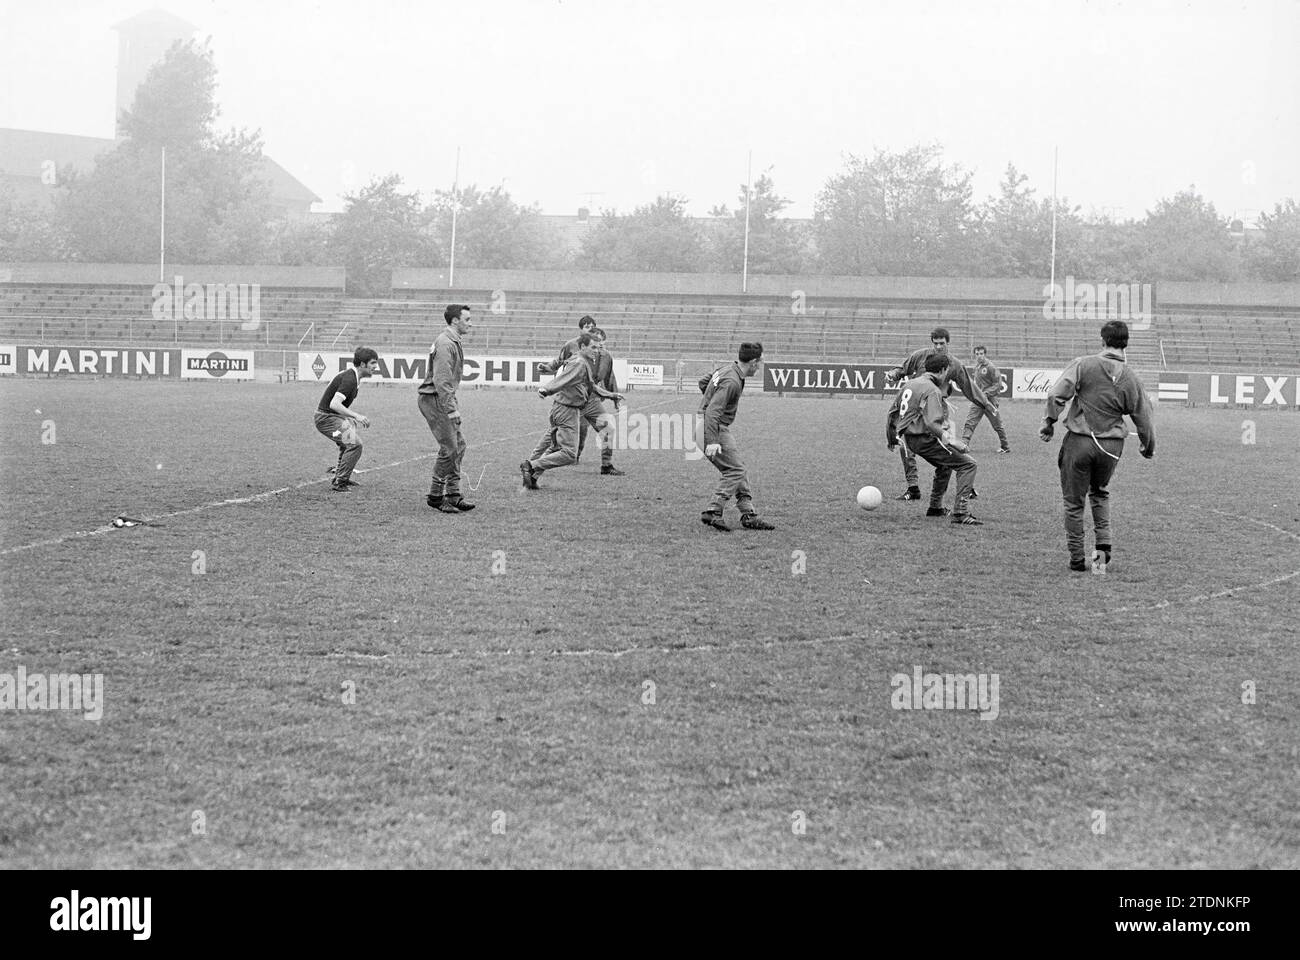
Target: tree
(775, 244)
(381, 228)
(1185, 239)
(1015, 231)
(658, 236)
(29, 232)
(898, 214)
(217, 199)
(298, 243)
(1275, 255)
(1103, 250)
(494, 232)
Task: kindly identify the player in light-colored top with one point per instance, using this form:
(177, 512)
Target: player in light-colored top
(925, 431)
(571, 388)
(722, 390)
(1104, 391)
(989, 380)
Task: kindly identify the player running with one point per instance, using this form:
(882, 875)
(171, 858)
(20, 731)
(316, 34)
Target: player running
(571, 389)
(585, 325)
(924, 430)
(588, 325)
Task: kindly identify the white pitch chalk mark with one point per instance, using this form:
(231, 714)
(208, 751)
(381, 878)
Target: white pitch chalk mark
(269, 494)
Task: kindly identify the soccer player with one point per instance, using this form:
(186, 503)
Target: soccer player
(955, 373)
(722, 390)
(441, 410)
(571, 388)
(593, 412)
(924, 430)
(1104, 391)
(585, 325)
(336, 419)
(989, 380)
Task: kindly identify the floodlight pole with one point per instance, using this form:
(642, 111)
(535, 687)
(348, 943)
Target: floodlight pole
(749, 184)
(1055, 154)
(455, 207)
(162, 219)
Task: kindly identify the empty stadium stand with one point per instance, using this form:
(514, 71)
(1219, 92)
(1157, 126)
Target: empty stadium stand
(655, 327)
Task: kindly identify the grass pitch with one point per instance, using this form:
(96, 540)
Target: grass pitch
(587, 676)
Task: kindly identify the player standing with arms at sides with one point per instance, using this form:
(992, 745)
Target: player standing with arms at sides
(441, 410)
(722, 390)
(571, 388)
(1104, 391)
(914, 366)
(922, 426)
(989, 380)
(336, 419)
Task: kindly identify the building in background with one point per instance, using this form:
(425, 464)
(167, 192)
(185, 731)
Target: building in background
(30, 159)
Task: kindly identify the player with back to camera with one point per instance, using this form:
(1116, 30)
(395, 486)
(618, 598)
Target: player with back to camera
(722, 390)
(954, 374)
(1104, 391)
(337, 421)
(925, 431)
(440, 408)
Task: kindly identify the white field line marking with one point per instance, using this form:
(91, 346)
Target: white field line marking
(1230, 590)
(595, 652)
(269, 494)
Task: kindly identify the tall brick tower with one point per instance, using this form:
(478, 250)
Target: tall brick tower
(142, 42)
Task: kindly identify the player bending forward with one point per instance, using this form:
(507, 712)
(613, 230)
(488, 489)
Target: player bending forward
(955, 374)
(924, 431)
(337, 421)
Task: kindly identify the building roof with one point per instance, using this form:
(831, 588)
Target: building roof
(284, 185)
(23, 153)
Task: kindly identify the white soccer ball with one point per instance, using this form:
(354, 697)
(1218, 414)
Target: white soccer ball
(869, 498)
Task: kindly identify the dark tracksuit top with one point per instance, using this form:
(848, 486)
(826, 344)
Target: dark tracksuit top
(914, 366)
(347, 383)
(573, 384)
(566, 351)
(446, 357)
(721, 397)
(926, 413)
(602, 372)
(988, 378)
(1104, 390)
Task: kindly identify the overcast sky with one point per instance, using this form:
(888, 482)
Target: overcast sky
(616, 102)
